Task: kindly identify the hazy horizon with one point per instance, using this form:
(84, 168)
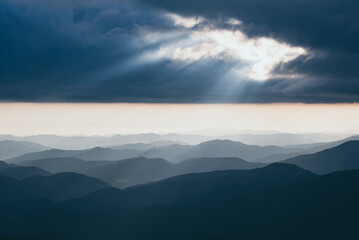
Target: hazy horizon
(25, 119)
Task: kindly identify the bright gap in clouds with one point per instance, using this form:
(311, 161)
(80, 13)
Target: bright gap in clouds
(254, 58)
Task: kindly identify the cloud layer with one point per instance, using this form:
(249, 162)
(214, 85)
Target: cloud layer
(179, 51)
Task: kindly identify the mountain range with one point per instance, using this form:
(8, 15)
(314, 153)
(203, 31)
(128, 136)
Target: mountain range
(140, 170)
(282, 200)
(86, 142)
(342, 157)
(248, 137)
(173, 153)
(21, 171)
(10, 149)
(129, 172)
(203, 191)
(57, 187)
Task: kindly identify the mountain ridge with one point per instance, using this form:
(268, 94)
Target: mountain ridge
(341, 157)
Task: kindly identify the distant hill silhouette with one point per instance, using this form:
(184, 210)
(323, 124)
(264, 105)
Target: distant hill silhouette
(197, 165)
(20, 171)
(146, 146)
(248, 137)
(180, 188)
(92, 154)
(129, 172)
(86, 142)
(280, 201)
(342, 157)
(62, 186)
(279, 157)
(56, 187)
(216, 148)
(322, 207)
(4, 165)
(10, 149)
(320, 146)
(64, 164)
(24, 172)
(133, 171)
(173, 153)
(282, 139)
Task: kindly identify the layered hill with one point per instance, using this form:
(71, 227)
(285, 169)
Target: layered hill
(173, 153)
(342, 157)
(21, 171)
(57, 187)
(280, 201)
(129, 172)
(10, 149)
(192, 187)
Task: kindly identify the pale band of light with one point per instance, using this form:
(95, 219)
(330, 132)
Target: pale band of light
(108, 119)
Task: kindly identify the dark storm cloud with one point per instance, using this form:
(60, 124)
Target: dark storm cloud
(77, 51)
(49, 51)
(67, 54)
(328, 29)
(332, 24)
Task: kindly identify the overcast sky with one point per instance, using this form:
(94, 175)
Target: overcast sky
(180, 51)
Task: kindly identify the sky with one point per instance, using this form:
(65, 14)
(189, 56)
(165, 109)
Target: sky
(179, 52)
